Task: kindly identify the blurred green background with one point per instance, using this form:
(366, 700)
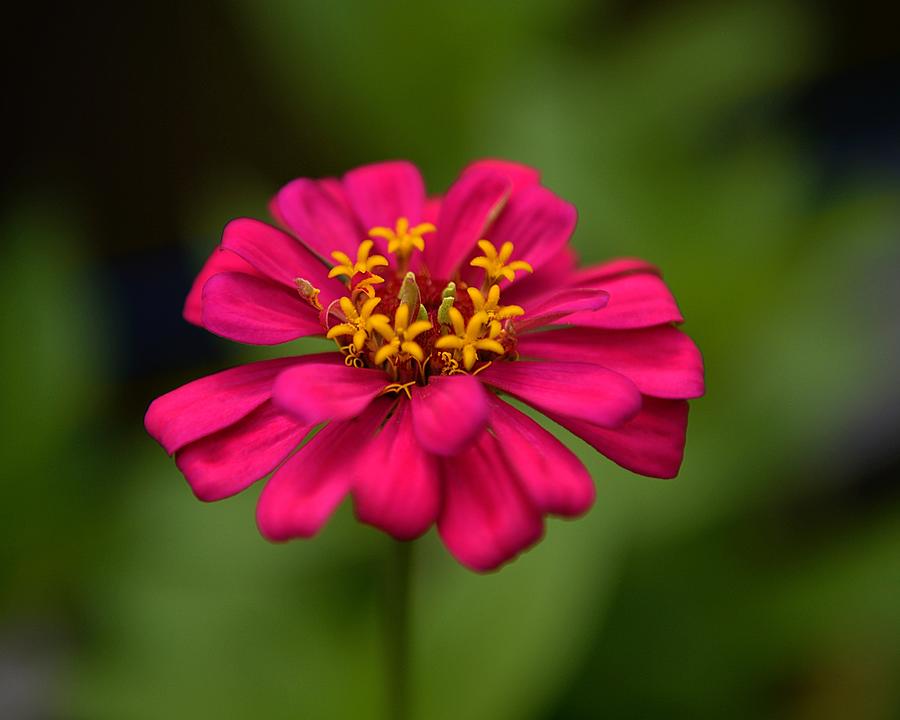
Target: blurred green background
(750, 149)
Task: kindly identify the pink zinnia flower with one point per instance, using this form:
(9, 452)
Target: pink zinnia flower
(438, 307)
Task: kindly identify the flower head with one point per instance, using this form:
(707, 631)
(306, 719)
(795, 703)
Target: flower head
(434, 307)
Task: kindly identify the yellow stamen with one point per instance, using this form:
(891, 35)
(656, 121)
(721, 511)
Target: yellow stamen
(403, 239)
(495, 264)
(399, 339)
(359, 323)
(398, 387)
(365, 263)
(491, 306)
(468, 338)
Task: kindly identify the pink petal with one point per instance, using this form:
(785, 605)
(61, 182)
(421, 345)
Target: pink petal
(224, 463)
(449, 413)
(561, 304)
(661, 361)
(280, 257)
(320, 392)
(256, 311)
(546, 281)
(519, 176)
(486, 517)
(312, 212)
(577, 390)
(382, 192)
(650, 444)
(467, 211)
(537, 222)
(615, 268)
(396, 486)
(553, 477)
(211, 403)
(635, 300)
(303, 493)
(220, 261)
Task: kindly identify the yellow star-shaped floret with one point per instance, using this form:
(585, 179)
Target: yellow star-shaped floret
(469, 337)
(359, 323)
(491, 307)
(399, 339)
(495, 263)
(365, 263)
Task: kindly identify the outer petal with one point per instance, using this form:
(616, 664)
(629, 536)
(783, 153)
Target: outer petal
(551, 309)
(662, 361)
(615, 268)
(577, 390)
(313, 212)
(220, 261)
(486, 517)
(320, 392)
(537, 222)
(304, 492)
(278, 256)
(382, 192)
(396, 486)
(467, 211)
(553, 477)
(651, 444)
(520, 176)
(255, 311)
(214, 402)
(546, 281)
(449, 413)
(232, 459)
(635, 300)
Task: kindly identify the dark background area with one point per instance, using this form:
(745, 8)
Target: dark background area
(750, 149)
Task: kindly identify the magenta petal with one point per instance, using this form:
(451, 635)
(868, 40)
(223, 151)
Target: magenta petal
(661, 361)
(520, 176)
(577, 390)
(561, 304)
(486, 517)
(382, 192)
(211, 403)
(255, 311)
(467, 211)
(304, 492)
(635, 300)
(448, 413)
(650, 444)
(278, 256)
(312, 211)
(220, 261)
(224, 463)
(546, 281)
(553, 477)
(614, 268)
(396, 486)
(320, 392)
(537, 222)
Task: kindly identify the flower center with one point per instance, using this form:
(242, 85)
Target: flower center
(414, 327)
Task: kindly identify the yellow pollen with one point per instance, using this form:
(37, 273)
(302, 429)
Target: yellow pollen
(365, 263)
(359, 323)
(399, 340)
(469, 338)
(398, 387)
(496, 263)
(491, 306)
(403, 239)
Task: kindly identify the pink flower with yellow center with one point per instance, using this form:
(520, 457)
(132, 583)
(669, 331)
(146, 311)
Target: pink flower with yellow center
(439, 307)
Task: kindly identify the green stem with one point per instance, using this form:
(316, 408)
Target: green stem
(397, 635)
